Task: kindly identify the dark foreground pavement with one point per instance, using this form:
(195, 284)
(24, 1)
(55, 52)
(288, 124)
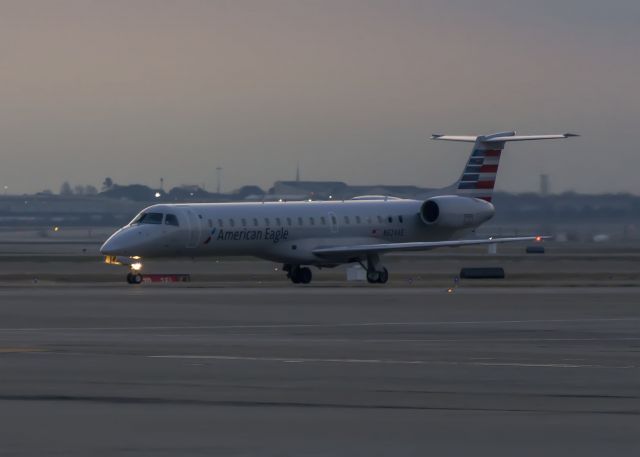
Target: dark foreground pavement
(319, 371)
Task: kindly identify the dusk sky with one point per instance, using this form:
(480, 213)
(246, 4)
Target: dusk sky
(140, 89)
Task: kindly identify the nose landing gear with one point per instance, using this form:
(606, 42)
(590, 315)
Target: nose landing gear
(134, 264)
(134, 278)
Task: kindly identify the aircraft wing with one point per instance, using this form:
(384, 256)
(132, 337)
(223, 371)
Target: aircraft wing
(413, 246)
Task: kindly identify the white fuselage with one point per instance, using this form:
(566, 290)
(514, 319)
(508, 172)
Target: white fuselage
(325, 233)
(286, 232)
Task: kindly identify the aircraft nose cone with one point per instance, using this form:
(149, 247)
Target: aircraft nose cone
(120, 243)
(109, 247)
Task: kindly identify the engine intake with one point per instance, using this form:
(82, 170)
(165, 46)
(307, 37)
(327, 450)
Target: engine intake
(454, 211)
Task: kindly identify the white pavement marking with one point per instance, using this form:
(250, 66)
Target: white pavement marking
(387, 361)
(329, 325)
(320, 289)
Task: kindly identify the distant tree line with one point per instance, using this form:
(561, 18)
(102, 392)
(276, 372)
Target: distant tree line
(67, 190)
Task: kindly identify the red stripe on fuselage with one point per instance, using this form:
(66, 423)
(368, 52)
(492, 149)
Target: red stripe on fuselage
(492, 153)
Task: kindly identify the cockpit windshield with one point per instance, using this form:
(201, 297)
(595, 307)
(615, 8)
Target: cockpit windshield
(156, 219)
(148, 218)
(171, 219)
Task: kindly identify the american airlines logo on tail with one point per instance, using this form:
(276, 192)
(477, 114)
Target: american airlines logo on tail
(479, 176)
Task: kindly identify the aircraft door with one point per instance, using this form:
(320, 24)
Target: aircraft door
(333, 222)
(194, 227)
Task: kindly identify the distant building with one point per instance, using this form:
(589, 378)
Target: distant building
(544, 185)
(392, 191)
(317, 190)
(133, 192)
(249, 192)
(188, 193)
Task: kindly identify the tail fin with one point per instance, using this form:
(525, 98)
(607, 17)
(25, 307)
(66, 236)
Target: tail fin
(479, 175)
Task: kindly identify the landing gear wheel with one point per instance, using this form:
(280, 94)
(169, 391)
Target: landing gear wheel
(134, 278)
(373, 276)
(377, 277)
(293, 273)
(305, 275)
(383, 276)
(298, 275)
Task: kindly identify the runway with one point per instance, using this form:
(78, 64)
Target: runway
(104, 370)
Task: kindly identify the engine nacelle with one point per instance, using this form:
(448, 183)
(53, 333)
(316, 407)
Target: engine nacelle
(456, 212)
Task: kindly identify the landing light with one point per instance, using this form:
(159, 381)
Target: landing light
(158, 194)
(538, 238)
(56, 229)
(136, 266)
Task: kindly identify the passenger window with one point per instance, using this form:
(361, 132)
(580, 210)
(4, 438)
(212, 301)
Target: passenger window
(312, 221)
(400, 219)
(232, 223)
(220, 223)
(255, 221)
(210, 223)
(266, 221)
(300, 221)
(323, 221)
(390, 219)
(171, 219)
(289, 221)
(346, 219)
(358, 221)
(244, 222)
(368, 220)
(334, 221)
(150, 218)
(278, 221)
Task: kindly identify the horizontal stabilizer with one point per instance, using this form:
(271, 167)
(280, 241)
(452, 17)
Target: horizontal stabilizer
(501, 137)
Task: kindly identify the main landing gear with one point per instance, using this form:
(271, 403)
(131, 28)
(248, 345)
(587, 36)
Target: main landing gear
(378, 277)
(376, 273)
(298, 274)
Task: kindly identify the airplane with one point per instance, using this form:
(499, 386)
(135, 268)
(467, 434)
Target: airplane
(324, 234)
